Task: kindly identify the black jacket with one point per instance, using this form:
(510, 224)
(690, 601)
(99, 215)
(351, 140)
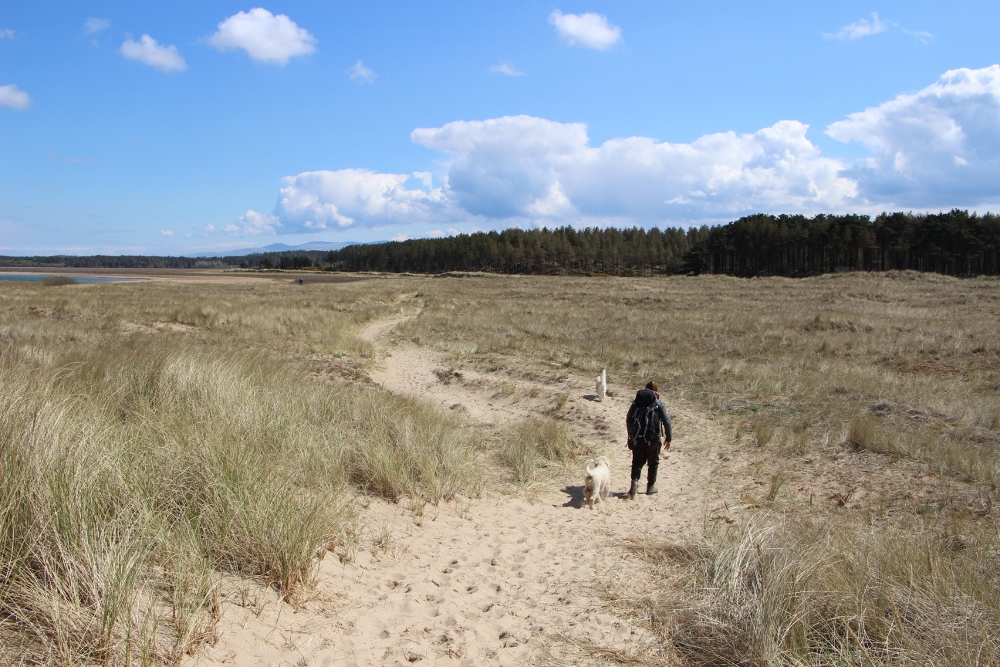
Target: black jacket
(643, 399)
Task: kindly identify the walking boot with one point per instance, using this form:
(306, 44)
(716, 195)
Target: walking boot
(651, 488)
(632, 489)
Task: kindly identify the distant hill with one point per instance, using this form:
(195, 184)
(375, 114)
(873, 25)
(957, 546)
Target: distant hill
(281, 247)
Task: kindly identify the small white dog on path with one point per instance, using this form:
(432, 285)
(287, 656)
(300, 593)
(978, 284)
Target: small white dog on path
(602, 385)
(597, 483)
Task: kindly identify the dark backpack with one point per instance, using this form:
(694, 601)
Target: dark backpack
(645, 423)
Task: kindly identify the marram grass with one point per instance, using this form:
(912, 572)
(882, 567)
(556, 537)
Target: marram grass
(140, 467)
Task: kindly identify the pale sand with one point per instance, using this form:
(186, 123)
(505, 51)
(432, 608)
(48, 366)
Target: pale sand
(498, 580)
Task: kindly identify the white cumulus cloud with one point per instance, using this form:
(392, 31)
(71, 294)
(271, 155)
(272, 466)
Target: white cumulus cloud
(532, 168)
(13, 97)
(506, 68)
(529, 170)
(166, 233)
(317, 200)
(858, 29)
(150, 52)
(93, 25)
(252, 223)
(937, 147)
(590, 29)
(508, 167)
(264, 36)
(358, 72)
(6, 33)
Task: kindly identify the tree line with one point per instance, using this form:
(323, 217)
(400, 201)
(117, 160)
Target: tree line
(116, 262)
(956, 243)
(540, 251)
(271, 260)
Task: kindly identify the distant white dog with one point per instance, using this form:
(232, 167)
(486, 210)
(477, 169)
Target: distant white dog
(602, 385)
(597, 483)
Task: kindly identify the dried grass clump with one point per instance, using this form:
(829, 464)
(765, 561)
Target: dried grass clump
(763, 430)
(406, 448)
(786, 592)
(532, 446)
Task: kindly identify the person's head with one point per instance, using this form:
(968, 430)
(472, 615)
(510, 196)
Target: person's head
(652, 385)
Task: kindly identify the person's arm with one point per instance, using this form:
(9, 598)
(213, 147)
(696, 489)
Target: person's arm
(628, 421)
(666, 426)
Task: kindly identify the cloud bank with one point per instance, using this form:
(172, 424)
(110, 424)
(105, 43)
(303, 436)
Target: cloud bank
(318, 200)
(527, 167)
(936, 147)
(939, 147)
(150, 52)
(265, 37)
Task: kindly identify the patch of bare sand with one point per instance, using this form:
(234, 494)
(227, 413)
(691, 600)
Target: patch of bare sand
(155, 327)
(497, 580)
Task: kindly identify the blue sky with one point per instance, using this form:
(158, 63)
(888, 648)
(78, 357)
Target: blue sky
(178, 127)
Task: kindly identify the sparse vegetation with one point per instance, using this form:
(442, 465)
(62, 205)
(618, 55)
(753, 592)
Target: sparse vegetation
(840, 368)
(763, 431)
(832, 590)
(803, 358)
(154, 437)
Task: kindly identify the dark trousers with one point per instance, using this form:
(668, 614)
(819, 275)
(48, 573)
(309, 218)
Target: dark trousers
(646, 452)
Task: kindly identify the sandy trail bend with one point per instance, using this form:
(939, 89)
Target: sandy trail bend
(497, 580)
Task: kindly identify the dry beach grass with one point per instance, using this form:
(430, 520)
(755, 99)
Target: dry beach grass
(156, 436)
(160, 438)
(899, 566)
(901, 363)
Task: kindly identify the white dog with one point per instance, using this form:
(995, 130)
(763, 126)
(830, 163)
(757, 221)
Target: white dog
(602, 385)
(597, 483)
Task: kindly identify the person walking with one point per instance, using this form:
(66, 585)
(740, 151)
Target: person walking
(647, 420)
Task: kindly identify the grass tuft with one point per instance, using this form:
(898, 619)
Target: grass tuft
(531, 446)
(786, 592)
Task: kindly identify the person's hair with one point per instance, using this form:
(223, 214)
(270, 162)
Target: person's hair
(652, 385)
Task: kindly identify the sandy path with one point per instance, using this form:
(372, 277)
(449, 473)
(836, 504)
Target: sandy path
(498, 580)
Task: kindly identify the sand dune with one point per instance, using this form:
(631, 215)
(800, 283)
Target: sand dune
(497, 580)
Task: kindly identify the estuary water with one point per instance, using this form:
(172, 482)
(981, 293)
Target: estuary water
(39, 277)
